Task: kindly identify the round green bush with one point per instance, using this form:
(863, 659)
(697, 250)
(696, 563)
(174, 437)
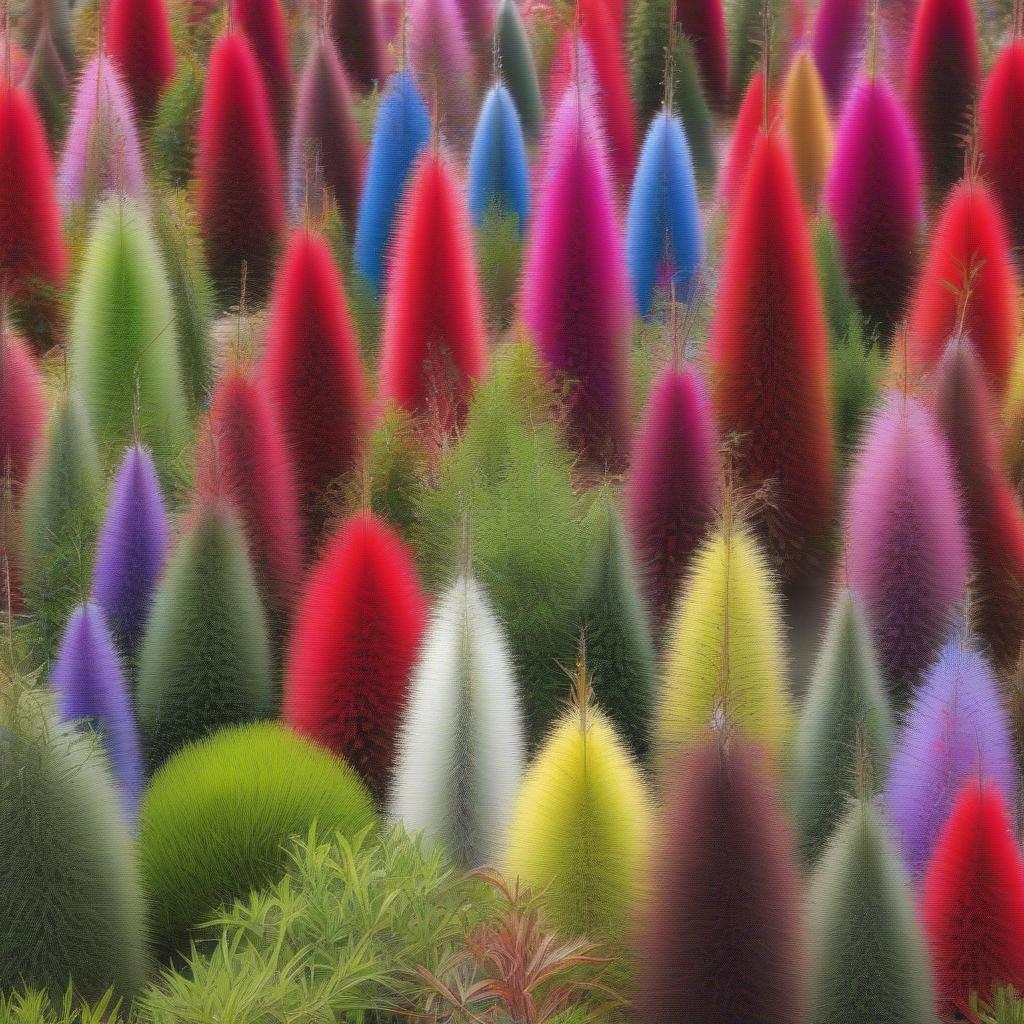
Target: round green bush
(71, 904)
(217, 818)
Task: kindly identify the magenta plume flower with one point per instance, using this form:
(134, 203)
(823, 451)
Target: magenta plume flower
(840, 33)
(576, 294)
(956, 728)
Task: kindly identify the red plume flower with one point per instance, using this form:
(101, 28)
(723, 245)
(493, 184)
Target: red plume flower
(33, 260)
(995, 524)
(244, 459)
(314, 376)
(968, 261)
(434, 343)
(241, 206)
(1001, 119)
(356, 639)
(264, 25)
(744, 137)
(138, 38)
(769, 346)
(973, 901)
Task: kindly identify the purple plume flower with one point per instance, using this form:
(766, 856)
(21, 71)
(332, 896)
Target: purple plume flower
(956, 727)
(101, 153)
(840, 33)
(131, 550)
(90, 688)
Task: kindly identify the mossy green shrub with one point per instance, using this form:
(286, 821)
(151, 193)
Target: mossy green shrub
(71, 903)
(216, 820)
(172, 137)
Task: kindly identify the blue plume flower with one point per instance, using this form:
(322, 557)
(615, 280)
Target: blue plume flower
(91, 690)
(401, 133)
(663, 226)
(498, 170)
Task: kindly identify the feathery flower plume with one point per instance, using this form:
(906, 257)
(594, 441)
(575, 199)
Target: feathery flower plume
(499, 172)
(518, 69)
(1001, 135)
(138, 38)
(840, 35)
(263, 23)
(807, 127)
(357, 32)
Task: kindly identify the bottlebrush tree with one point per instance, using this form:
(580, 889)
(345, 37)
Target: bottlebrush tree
(91, 693)
(745, 133)
(434, 345)
(967, 283)
(575, 290)
(131, 551)
(672, 486)
(244, 459)
(845, 728)
(357, 32)
(314, 377)
(138, 38)
(955, 728)
(325, 153)
(440, 56)
(123, 345)
(992, 513)
(721, 938)
(205, 660)
(461, 747)
(769, 345)
(906, 545)
(518, 69)
(704, 24)
(838, 41)
(1001, 135)
(583, 783)
(498, 169)
(102, 152)
(725, 653)
(807, 127)
(33, 259)
(263, 23)
(87, 925)
(873, 194)
(664, 230)
(347, 676)
(943, 73)
(620, 654)
(972, 901)
(238, 172)
(401, 132)
(870, 957)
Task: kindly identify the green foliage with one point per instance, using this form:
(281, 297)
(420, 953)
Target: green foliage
(620, 653)
(845, 728)
(217, 817)
(172, 138)
(499, 251)
(35, 1007)
(60, 523)
(871, 963)
(191, 293)
(839, 304)
(70, 899)
(515, 57)
(508, 478)
(205, 658)
(857, 369)
(123, 347)
(1006, 1008)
